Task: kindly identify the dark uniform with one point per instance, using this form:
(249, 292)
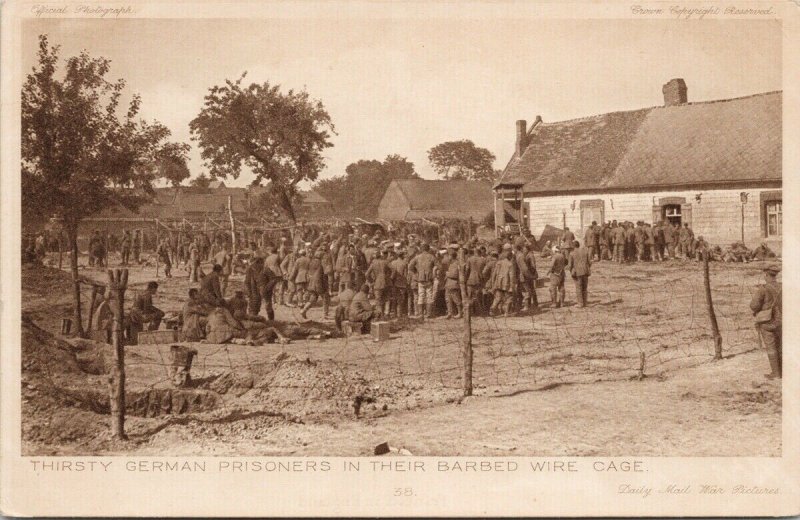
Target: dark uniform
(768, 311)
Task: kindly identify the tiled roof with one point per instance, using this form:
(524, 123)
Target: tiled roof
(730, 140)
(448, 199)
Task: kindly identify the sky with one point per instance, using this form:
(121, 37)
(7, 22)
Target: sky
(402, 86)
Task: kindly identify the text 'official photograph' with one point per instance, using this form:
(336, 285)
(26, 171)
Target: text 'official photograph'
(388, 237)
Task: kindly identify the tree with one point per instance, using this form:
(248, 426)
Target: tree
(279, 136)
(81, 152)
(462, 160)
(360, 190)
(201, 181)
(171, 162)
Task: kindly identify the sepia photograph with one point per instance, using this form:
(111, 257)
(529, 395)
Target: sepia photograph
(401, 237)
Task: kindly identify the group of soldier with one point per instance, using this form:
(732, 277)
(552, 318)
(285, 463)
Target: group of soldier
(624, 242)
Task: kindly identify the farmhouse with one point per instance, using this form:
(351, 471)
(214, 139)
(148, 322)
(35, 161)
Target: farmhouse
(415, 199)
(715, 165)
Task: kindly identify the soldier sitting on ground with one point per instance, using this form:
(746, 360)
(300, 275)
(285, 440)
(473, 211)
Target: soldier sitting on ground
(361, 310)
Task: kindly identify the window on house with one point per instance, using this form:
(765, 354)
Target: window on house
(592, 211)
(774, 218)
(672, 213)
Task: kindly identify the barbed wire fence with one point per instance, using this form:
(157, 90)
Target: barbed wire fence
(647, 322)
(639, 324)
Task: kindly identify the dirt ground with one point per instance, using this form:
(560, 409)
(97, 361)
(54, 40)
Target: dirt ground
(631, 374)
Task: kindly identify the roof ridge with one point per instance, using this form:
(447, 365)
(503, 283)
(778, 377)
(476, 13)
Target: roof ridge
(707, 102)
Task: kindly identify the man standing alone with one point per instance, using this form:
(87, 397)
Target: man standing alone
(580, 266)
(768, 311)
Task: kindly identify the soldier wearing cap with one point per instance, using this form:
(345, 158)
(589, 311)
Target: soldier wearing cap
(557, 275)
(768, 312)
(505, 281)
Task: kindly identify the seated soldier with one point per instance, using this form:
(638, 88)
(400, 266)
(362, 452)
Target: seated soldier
(222, 327)
(194, 317)
(345, 298)
(143, 310)
(361, 310)
(238, 307)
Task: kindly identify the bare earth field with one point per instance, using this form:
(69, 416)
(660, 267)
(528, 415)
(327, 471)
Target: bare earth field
(559, 382)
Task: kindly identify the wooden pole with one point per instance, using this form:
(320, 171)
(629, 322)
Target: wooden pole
(742, 223)
(157, 245)
(466, 310)
(60, 250)
(233, 225)
(92, 305)
(118, 282)
(711, 315)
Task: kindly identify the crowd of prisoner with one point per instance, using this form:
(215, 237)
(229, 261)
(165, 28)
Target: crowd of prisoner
(392, 274)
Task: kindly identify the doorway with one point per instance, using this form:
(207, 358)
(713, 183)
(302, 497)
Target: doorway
(672, 214)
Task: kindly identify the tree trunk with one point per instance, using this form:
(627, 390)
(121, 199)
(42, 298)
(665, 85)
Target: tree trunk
(72, 231)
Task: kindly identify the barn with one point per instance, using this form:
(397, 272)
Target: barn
(715, 165)
(417, 199)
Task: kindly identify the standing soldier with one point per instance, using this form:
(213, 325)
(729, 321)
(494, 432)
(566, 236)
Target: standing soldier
(452, 286)
(504, 282)
(684, 241)
(767, 309)
(271, 277)
(287, 266)
(422, 268)
(224, 258)
(606, 244)
(649, 242)
(580, 266)
(125, 247)
(378, 274)
(660, 241)
(163, 255)
(317, 285)
(251, 285)
(618, 237)
(487, 278)
(399, 281)
(136, 245)
(630, 242)
(557, 275)
(299, 276)
(475, 264)
(588, 239)
(567, 239)
(344, 266)
(639, 237)
(194, 261)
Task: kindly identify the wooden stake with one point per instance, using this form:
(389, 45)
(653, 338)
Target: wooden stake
(92, 304)
(233, 225)
(157, 244)
(118, 282)
(466, 310)
(711, 315)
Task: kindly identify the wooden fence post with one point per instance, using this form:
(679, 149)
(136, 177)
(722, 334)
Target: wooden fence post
(711, 315)
(233, 225)
(156, 249)
(118, 282)
(467, 313)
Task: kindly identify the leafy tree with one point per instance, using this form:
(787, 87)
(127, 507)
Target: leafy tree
(462, 160)
(201, 181)
(278, 136)
(81, 151)
(171, 162)
(358, 193)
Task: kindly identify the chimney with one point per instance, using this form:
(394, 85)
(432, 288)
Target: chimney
(674, 92)
(522, 137)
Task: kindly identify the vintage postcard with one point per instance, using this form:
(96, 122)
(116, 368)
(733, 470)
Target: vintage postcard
(305, 258)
